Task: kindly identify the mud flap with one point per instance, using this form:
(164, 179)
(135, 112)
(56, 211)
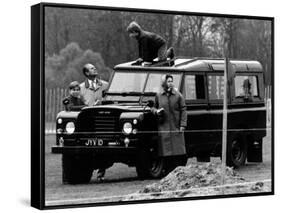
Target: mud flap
(255, 151)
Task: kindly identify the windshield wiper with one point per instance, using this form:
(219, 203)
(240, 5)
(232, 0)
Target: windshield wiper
(149, 93)
(124, 93)
(131, 93)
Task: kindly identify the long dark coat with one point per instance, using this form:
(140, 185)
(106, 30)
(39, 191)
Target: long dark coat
(171, 140)
(73, 104)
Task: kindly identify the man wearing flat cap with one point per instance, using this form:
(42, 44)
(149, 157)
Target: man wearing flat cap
(93, 87)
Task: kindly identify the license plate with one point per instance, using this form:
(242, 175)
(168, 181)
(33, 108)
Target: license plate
(94, 142)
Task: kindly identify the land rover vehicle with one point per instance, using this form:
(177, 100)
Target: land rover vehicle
(124, 129)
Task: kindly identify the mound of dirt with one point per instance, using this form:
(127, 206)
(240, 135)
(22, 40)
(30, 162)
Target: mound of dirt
(194, 175)
(198, 179)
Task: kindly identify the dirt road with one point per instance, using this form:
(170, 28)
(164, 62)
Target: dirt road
(122, 180)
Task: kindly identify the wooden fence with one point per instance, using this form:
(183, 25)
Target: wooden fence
(53, 105)
(54, 97)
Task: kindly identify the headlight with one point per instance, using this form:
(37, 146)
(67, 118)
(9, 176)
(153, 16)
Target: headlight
(59, 121)
(127, 128)
(70, 127)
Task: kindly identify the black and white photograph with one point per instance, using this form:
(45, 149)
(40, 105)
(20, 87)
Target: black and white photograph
(152, 105)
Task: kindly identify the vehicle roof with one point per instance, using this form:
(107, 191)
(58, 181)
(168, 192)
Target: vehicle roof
(196, 64)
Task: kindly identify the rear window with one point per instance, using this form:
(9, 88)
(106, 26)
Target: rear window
(246, 86)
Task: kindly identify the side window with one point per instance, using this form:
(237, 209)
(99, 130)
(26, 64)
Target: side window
(216, 87)
(194, 87)
(246, 86)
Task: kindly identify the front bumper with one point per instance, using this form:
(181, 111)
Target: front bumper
(108, 150)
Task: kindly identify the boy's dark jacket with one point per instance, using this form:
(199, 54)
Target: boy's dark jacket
(73, 104)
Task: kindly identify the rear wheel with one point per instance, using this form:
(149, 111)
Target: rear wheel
(236, 152)
(76, 169)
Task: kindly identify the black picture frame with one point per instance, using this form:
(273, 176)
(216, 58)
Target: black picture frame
(38, 150)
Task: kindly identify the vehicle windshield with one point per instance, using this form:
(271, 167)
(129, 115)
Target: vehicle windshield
(123, 82)
(129, 86)
(154, 82)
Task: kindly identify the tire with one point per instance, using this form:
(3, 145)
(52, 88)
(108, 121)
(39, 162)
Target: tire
(142, 164)
(76, 169)
(159, 168)
(149, 166)
(236, 152)
(164, 165)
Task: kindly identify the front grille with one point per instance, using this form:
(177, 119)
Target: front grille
(105, 127)
(95, 124)
(105, 124)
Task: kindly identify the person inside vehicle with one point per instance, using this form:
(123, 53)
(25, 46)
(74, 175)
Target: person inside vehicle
(73, 102)
(247, 90)
(151, 46)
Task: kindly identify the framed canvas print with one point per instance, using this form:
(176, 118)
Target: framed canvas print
(136, 105)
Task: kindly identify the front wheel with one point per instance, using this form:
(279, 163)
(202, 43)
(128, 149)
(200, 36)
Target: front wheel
(154, 169)
(236, 153)
(76, 169)
(149, 165)
(159, 168)
(162, 166)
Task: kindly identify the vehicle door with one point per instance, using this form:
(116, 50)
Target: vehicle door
(247, 109)
(194, 91)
